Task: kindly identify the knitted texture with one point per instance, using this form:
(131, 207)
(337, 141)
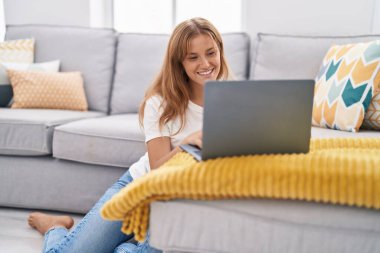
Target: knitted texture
(340, 171)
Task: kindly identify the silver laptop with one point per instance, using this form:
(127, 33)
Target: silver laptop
(255, 117)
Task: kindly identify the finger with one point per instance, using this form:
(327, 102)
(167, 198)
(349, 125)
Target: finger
(199, 143)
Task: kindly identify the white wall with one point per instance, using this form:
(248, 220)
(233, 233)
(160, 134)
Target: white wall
(376, 17)
(318, 17)
(55, 12)
(2, 21)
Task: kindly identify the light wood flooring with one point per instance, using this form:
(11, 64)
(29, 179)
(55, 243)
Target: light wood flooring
(15, 234)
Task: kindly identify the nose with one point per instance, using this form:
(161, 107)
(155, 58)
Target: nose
(205, 62)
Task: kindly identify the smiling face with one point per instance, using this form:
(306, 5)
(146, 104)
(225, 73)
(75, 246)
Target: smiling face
(202, 61)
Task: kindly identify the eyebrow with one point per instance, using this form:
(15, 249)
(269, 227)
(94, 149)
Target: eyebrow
(211, 48)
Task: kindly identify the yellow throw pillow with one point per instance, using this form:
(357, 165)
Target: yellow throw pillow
(46, 90)
(13, 51)
(21, 51)
(347, 82)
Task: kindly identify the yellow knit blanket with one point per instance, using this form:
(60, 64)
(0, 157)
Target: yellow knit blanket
(339, 171)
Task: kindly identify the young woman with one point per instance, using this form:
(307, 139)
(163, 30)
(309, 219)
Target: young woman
(171, 114)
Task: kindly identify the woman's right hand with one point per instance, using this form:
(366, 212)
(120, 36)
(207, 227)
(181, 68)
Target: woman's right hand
(194, 139)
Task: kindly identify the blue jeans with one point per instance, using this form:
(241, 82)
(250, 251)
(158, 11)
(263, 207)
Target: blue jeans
(93, 234)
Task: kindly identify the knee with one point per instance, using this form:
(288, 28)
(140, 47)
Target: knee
(125, 248)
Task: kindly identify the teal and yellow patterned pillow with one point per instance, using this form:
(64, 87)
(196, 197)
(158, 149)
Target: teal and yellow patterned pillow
(347, 81)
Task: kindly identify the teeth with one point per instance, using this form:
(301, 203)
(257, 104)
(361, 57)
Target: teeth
(205, 72)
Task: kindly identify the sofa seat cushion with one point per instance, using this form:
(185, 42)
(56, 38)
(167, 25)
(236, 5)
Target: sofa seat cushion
(30, 131)
(114, 140)
(262, 225)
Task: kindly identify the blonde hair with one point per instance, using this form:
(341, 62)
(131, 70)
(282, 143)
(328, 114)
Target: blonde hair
(172, 81)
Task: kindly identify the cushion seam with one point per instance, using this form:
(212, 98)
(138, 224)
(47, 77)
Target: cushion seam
(24, 149)
(89, 162)
(94, 135)
(256, 56)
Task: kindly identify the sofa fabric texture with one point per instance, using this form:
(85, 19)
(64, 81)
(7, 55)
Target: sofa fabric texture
(90, 51)
(262, 225)
(30, 131)
(89, 140)
(53, 184)
(135, 69)
(294, 57)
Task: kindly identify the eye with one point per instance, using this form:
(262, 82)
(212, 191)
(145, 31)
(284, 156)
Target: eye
(192, 58)
(211, 53)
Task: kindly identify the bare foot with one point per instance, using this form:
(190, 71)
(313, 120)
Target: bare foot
(43, 222)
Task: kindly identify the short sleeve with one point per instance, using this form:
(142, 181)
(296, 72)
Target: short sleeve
(152, 112)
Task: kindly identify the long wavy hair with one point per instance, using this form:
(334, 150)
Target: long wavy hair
(172, 82)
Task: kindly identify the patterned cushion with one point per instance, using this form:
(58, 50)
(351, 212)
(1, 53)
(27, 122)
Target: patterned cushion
(51, 66)
(372, 116)
(48, 90)
(15, 51)
(345, 85)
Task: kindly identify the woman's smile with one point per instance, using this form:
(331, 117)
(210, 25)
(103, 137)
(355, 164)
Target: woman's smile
(206, 73)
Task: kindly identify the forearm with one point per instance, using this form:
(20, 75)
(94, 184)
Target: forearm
(165, 158)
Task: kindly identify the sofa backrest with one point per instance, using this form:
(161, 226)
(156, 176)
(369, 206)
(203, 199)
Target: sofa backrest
(140, 56)
(293, 57)
(88, 50)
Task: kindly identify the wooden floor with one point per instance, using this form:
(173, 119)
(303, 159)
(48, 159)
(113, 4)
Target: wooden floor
(15, 234)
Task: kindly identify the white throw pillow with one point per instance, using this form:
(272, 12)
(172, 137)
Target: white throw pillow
(50, 66)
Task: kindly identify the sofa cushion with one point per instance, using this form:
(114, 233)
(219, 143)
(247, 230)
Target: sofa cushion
(30, 131)
(345, 85)
(44, 182)
(90, 51)
(50, 66)
(139, 57)
(6, 91)
(135, 71)
(262, 225)
(237, 50)
(294, 57)
(46, 90)
(114, 140)
(14, 51)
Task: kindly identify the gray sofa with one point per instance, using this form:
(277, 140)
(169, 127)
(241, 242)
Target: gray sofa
(64, 160)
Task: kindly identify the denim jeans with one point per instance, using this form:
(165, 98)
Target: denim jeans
(143, 247)
(93, 234)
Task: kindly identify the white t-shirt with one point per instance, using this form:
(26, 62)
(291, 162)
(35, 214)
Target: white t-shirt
(152, 112)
